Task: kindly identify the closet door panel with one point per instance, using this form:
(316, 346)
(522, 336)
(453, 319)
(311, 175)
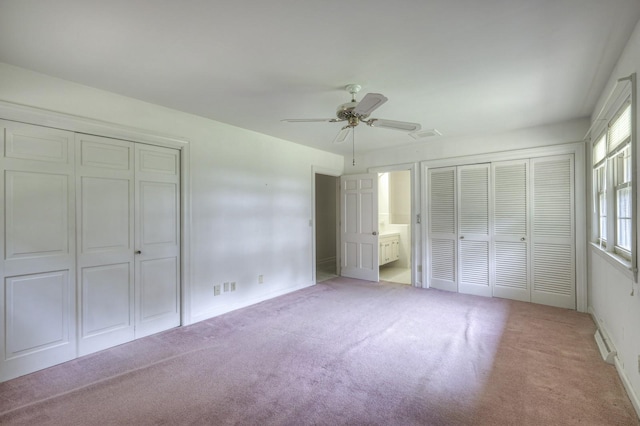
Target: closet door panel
(105, 181)
(553, 231)
(157, 243)
(38, 251)
(511, 230)
(443, 229)
(474, 219)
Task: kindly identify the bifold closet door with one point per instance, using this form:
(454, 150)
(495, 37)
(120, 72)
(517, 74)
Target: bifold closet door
(38, 251)
(443, 230)
(511, 230)
(128, 240)
(105, 228)
(474, 225)
(157, 241)
(553, 234)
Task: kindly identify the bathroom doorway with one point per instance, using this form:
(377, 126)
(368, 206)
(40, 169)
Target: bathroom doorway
(394, 217)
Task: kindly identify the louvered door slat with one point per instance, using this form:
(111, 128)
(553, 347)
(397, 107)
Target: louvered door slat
(511, 230)
(473, 229)
(553, 231)
(441, 184)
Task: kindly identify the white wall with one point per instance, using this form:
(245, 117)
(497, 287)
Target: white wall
(450, 147)
(251, 193)
(610, 286)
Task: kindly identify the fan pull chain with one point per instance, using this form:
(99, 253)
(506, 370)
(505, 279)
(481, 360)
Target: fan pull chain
(353, 144)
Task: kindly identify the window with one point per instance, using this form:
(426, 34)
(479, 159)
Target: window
(612, 185)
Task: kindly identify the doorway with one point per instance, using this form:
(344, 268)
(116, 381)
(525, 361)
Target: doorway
(326, 227)
(394, 220)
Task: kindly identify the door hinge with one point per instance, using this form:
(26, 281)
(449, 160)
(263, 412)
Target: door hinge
(418, 219)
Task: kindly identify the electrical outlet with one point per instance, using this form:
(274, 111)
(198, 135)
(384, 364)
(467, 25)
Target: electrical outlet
(216, 290)
(233, 286)
(260, 279)
(226, 287)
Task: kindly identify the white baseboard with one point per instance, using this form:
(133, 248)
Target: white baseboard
(234, 306)
(326, 261)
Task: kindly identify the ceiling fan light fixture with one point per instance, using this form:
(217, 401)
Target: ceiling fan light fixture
(427, 133)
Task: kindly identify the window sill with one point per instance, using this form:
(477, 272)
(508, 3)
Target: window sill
(620, 263)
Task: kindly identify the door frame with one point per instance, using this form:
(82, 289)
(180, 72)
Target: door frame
(46, 118)
(317, 170)
(575, 148)
(416, 262)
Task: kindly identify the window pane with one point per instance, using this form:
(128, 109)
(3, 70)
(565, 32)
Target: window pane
(602, 213)
(623, 219)
(623, 166)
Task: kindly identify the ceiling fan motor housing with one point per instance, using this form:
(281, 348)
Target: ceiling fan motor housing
(345, 111)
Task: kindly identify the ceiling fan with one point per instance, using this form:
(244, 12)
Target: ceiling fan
(355, 112)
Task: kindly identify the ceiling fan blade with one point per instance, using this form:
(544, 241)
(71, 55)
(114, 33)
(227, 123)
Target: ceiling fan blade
(309, 120)
(395, 125)
(369, 103)
(343, 134)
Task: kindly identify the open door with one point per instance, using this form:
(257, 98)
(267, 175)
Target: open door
(359, 226)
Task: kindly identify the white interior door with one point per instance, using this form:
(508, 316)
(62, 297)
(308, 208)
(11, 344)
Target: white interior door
(359, 226)
(443, 230)
(38, 254)
(474, 225)
(157, 260)
(553, 252)
(511, 230)
(105, 181)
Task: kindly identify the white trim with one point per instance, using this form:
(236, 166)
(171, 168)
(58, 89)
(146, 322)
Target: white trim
(416, 277)
(621, 264)
(318, 170)
(575, 148)
(47, 118)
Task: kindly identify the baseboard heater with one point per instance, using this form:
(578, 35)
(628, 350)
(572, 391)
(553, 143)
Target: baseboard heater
(607, 351)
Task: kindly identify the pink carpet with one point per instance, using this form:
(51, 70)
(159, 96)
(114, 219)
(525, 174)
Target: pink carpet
(342, 352)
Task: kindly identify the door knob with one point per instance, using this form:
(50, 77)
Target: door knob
(522, 239)
(374, 233)
(462, 237)
(138, 252)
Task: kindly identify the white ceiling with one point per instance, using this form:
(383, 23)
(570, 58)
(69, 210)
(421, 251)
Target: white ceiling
(460, 66)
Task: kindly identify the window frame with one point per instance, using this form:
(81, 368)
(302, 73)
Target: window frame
(607, 184)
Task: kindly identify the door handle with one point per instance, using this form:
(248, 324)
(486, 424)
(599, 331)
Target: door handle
(522, 239)
(138, 252)
(374, 233)
(462, 237)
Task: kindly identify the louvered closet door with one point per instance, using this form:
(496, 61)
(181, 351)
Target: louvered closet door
(443, 233)
(553, 233)
(474, 213)
(511, 278)
(38, 249)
